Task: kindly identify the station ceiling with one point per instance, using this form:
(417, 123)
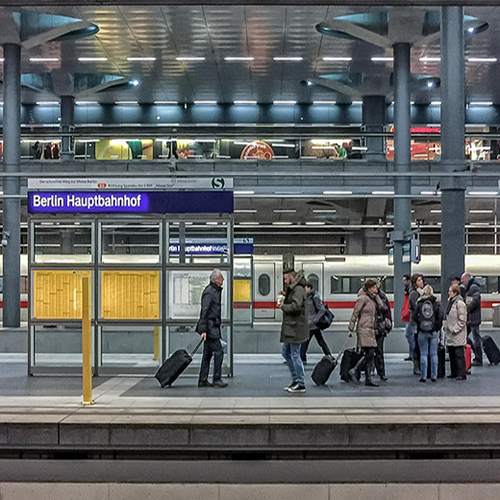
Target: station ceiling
(216, 32)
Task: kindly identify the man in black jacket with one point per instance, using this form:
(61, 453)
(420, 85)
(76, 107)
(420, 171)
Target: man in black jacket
(209, 327)
(472, 296)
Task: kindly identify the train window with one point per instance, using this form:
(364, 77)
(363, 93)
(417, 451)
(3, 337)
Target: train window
(334, 284)
(264, 284)
(314, 280)
(346, 285)
(387, 284)
(435, 282)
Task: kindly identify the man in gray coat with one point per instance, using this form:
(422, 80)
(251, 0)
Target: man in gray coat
(209, 327)
(294, 329)
(472, 297)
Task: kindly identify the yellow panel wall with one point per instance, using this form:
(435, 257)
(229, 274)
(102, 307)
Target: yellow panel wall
(130, 294)
(242, 291)
(58, 294)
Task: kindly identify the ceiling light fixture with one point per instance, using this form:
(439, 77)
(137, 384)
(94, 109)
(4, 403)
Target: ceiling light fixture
(430, 193)
(282, 223)
(282, 145)
(243, 193)
(284, 211)
(357, 102)
(337, 59)
(429, 59)
(291, 59)
(245, 211)
(483, 193)
(430, 84)
(44, 59)
(318, 223)
(92, 59)
(478, 211)
(135, 83)
(325, 211)
(383, 193)
(324, 102)
(382, 59)
(243, 102)
(481, 103)
(436, 211)
(159, 103)
(284, 103)
(205, 102)
(47, 103)
(248, 224)
(436, 103)
(239, 58)
(189, 58)
(86, 103)
(141, 58)
(482, 59)
(126, 102)
(337, 193)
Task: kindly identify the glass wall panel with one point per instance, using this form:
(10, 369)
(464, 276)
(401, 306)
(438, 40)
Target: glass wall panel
(57, 345)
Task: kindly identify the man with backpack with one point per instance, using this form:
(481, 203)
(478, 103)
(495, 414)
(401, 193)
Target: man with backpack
(429, 319)
(319, 318)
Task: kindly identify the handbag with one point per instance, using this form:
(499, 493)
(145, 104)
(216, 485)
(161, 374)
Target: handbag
(405, 312)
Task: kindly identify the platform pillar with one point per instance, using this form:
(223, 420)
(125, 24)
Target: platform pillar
(11, 238)
(67, 125)
(373, 122)
(402, 161)
(452, 146)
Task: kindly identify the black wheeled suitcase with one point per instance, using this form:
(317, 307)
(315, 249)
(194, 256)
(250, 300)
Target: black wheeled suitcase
(349, 360)
(491, 350)
(441, 363)
(173, 367)
(323, 369)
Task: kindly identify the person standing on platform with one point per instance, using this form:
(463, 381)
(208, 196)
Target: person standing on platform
(455, 327)
(383, 326)
(209, 327)
(294, 329)
(406, 318)
(416, 286)
(429, 320)
(363, 319)
(472, 296)
(315, 309)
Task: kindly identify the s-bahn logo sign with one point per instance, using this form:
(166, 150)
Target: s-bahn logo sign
(218, 183)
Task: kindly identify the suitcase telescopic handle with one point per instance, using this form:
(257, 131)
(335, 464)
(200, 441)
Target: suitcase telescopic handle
(196, 347)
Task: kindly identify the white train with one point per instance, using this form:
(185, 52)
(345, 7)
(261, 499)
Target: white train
(338, 280)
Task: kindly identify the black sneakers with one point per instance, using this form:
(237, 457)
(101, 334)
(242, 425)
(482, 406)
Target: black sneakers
(219, 383)
(296, 389)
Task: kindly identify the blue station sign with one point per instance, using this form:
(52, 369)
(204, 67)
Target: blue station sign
(130, 202)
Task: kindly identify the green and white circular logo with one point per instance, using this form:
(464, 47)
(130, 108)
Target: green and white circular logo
(218, 183)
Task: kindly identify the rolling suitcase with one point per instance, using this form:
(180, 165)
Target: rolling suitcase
(491, 350)
(468, 358)
(441, 363)
(349, 360)
(173, 367)
(323, 369)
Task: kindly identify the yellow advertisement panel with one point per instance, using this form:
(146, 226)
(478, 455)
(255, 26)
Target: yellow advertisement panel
(242, 291)
(130, 294)
(58, 294)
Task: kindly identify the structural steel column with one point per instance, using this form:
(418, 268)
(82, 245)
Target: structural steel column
(402, 159)
(452, 145)
(67, 125)
(373, 122)
(11, 239)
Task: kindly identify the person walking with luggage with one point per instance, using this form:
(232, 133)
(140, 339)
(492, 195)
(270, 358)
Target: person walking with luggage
(363, 319)
(383, 325)
(315, 310)
(209, 327)
(472, 296)
(294, 329)
(429, 320)
(455, 327)
(416, 287)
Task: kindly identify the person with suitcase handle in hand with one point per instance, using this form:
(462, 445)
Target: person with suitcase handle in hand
(363, 318)
(209, 327)
(472, 297)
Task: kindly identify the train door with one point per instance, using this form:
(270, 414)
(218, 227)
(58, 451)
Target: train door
(313, 272)
(268, 276)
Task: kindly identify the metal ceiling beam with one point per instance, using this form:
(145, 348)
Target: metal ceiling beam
(136, 3)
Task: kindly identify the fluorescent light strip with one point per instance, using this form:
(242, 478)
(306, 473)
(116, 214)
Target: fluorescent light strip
(141, 58)
(86, 103)
(382, 59)
(239, 58)
(205, 102)
(483, 193)
(435, 211)
(92, 59)
(324, 102)
(282, 223)
(337, 59)
(47, 103)
(282, 145)
(158, 103)
(284, 103)
(430, 59)
(315, 223)
(356, 102)
(243, 193)
(189, 58)
(388, 193)
(430, 193)
(481, 103)
(337, 193)
(477, 211)
(245, 211)
(436, 103)
(479, 223)
(248, 224)
(44, 59)
(126, 102)
(284, 211)
(319, 211)
(291, 59)
(482, 59)
(241, 103)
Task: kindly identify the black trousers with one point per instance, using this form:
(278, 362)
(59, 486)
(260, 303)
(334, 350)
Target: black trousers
(211, 347)
(457, 361)
(379, 356)
(321, 342)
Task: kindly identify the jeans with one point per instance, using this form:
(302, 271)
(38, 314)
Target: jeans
(428, 343)
(477, 343)
(291, 353)
(457, 361)
(321, 342)
(211, 347)
(410, 338)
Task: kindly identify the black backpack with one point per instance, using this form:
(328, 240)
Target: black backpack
(426, 317)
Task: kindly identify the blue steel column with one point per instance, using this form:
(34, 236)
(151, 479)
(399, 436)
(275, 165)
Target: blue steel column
(67, 125)
(12, 206)
(452, 145)
(402, 159)
(373, 122)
